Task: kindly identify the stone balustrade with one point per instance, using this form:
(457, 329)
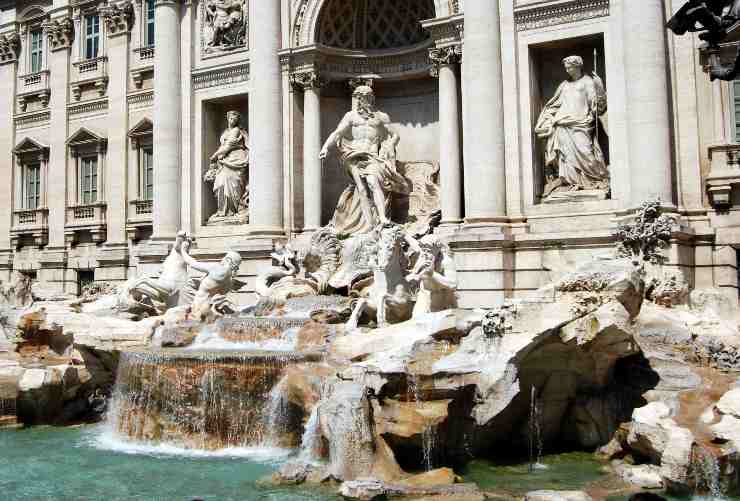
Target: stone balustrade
(32, 224)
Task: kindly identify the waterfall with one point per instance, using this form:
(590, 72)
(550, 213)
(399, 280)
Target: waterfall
(311, 439)
(428, 435)
(707, 472)
(535, 433)
(202, 400)
(249, 333)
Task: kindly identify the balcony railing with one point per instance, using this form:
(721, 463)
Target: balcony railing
(33, 82)
(144, 207)
(145, 53)
(89, 69)
(33, 223)
(724, 175)
(86, 215)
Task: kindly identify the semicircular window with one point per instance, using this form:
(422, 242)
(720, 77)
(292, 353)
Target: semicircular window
(374, 24)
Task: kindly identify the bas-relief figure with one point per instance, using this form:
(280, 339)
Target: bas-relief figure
(569, 124)
(367, 149)
(229, 171)
(227, 20)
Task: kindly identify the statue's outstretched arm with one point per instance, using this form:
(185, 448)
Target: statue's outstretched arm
(342, 129)
(196, 265)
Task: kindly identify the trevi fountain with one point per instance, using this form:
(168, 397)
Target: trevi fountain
(356, 372)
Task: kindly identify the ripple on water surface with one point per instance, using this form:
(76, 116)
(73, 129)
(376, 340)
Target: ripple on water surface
(571, 471)
(88, 464)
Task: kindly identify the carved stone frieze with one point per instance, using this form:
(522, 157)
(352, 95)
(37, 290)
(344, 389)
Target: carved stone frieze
(61, 33)
(446, 31)
(221, 76)
(304, 80)
(444, 56)
(119, 18)
(10, 46)
(552, 15)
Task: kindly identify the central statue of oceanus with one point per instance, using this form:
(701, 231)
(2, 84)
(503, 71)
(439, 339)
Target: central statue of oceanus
(367, 149)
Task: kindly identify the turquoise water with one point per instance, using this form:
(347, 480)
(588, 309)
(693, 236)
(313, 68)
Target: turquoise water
(87, 464)
(571, 471)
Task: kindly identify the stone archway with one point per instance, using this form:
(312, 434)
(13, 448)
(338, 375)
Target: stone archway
(309, 14)
(373, 24)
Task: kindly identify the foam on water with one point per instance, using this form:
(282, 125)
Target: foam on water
(210, 340)
(106, 439)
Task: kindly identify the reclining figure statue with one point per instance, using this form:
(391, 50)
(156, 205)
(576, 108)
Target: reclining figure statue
(155, 295)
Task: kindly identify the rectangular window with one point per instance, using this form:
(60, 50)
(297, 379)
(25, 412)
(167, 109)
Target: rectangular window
(147, 175)
(88, 180)
(32, 186)
(149, 23)
(37, 51)
(92, 36)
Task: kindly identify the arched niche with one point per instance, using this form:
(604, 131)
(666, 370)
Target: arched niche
(307, 14)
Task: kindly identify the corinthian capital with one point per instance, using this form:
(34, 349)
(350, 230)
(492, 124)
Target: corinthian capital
(119, 18)
(443, 57)
(10, 45)
(61, 33)
(305, 80)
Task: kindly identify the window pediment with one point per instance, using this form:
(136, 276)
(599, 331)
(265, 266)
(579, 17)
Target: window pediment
(29, 146)
(85, 139)
(143, 128)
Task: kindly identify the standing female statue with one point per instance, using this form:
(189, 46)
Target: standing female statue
(229, 171)
(568, 124)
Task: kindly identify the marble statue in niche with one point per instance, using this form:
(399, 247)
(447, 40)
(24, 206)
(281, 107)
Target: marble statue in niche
(229, 172)
(227, 20)
(575, 165)
(367, 149)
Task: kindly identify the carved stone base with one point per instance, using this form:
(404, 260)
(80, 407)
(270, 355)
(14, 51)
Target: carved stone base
(216, 220)
(559, 197)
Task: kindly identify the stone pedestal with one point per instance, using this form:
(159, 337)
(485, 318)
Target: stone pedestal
(485, 178)
(648, 120)
(167, 120)
(265, 120)
(446, 65)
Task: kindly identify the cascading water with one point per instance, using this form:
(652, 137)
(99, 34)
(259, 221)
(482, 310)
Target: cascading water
(204, 400)
(429, 433)
(707, 473)
(535, 433)
(311, 439)
(250, 333)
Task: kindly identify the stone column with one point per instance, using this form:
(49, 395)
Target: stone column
(113, 258)
(648, 118)
(167, 116)
(118, 25)
(265, 120)
(311, 83)
(54, 273)
(485, 177)
(445, 62)
(9, 50)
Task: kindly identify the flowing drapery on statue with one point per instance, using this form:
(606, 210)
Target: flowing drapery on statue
(569, 123)
(229, 171)
(367, 150)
